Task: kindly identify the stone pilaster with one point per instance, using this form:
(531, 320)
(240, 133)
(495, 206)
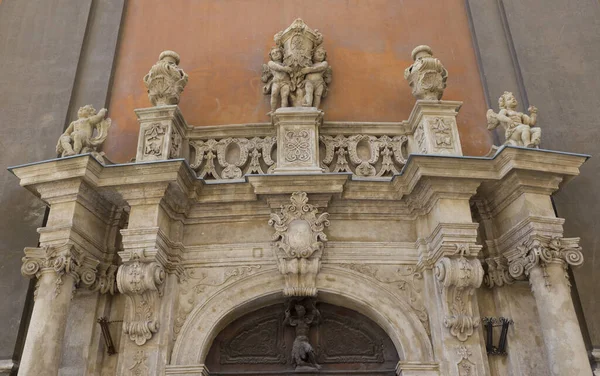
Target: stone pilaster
(59, 269)
(149, 279)
(298, 140)
(162, 134)
(544, 260)
(433, 127)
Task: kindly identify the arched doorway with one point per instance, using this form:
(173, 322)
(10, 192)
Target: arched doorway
(345, 342)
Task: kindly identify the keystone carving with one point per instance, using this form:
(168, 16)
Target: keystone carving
(165, 81)
(79, 137)
(519, 129)
(299, 242)
(63, 259)
(298, 73)
(458, 278)
(426, 76)
(541, 251)
(142, 283)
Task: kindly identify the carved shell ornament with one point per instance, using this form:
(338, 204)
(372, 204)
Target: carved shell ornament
(299, 228)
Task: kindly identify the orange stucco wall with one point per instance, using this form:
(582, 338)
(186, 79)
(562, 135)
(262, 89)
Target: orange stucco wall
(223, 44)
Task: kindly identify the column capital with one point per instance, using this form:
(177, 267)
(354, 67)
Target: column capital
(541, 250)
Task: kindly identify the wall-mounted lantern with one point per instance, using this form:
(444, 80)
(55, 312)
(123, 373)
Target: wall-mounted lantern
(110, 346)
(490, 323)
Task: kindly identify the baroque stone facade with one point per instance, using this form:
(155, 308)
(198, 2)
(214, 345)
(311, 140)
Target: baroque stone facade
(224, 221)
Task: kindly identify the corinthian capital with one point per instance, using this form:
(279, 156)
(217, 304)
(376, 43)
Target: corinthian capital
(141, 282)
(458, 278)
(541, 251)
(61, 260)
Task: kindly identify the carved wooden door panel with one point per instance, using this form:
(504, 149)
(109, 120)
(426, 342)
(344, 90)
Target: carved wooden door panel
(260, 343)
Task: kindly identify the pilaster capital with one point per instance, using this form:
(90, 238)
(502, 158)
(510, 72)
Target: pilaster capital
(68, 259)
(496, 272)
(541, 250)
(458, 277)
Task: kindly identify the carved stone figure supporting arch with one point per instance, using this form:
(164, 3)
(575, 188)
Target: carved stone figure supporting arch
(336, 286)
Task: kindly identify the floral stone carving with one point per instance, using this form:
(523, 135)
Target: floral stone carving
(141, 282)
(165, 81)
(79, 137)
(426, 76)
(299, 242)
(458, 278)
(541, 251)
(298, 73)
(519, 129)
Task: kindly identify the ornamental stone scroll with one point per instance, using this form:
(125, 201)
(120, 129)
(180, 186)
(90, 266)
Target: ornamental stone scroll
(298, 243)
(141, 282)
(458, 278)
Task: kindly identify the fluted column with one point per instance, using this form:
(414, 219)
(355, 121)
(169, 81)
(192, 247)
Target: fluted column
(545, 260)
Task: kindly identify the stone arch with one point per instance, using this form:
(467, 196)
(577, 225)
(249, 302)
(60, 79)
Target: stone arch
(336, 286)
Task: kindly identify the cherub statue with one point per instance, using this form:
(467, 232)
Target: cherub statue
(79, 137)
(165, 81)
(303, 355)
(317, 77)
(519, 128)
(276, 77)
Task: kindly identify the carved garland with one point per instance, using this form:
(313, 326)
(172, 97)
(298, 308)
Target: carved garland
(141, 282)
(299, 242)
(458, 278)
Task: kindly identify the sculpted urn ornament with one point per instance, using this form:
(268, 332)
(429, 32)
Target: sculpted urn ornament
(165, 81)
(426, 76)
(519, 128)
(298, 74)
(80, 138)
(299, 242)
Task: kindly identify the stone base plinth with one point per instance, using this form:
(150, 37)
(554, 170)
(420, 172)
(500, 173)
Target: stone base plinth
(433, 126)
(162, 134)
(298, 140)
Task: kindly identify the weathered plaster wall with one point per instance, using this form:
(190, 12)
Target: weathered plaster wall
(223, 45)
(546, 52)
(56, 54)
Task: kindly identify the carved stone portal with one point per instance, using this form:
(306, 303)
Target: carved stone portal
(298, 73)
(299, 242)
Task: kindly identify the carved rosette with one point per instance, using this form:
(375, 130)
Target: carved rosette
(458, 278)
(540, 251)
(142, 283)
(299, 241)
(61, 260)
(426, 76)
(165, 81)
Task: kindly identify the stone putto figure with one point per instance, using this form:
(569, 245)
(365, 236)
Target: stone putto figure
(298, 73)
(303, 354)
(165, 81)
(519, 128)
(79, 137)
(426, 76)
(277, 79)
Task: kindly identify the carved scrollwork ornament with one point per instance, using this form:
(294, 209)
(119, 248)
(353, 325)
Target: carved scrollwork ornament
(496, 273)
(458, 278)
(61, 260)
(298, 242)
(142, 283)
(542, 251)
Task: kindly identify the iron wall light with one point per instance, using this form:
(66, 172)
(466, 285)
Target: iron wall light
(110, 346)
(490, 323)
